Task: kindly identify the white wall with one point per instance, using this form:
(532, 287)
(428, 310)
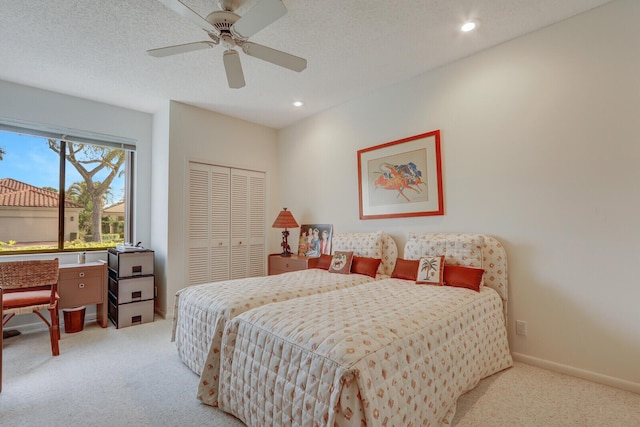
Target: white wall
(540, 149)
(197, 134)
(160, 204)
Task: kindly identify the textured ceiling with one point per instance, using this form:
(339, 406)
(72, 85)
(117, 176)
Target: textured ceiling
(96, 49)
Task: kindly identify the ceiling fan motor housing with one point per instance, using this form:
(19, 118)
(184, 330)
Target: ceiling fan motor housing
(222, 20)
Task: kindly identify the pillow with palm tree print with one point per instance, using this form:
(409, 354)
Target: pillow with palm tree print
(431, 270)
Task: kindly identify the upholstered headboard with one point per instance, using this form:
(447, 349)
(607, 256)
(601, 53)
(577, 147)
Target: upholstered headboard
(373, 245)
(488, 248)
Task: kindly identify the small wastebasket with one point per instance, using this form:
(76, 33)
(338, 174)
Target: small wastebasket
(73, 319)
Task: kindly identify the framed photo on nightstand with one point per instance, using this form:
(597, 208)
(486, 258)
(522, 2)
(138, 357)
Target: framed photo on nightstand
(315, 239)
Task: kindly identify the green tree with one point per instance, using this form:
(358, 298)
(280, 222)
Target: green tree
(89, 160)
(78, 193)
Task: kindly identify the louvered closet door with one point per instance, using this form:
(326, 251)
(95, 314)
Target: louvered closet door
(219, 220)
(257, 209)
(225, 224)
(247, 223)
(207, 224)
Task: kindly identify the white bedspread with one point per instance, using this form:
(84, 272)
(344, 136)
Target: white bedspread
(201, 313)
(391, 353)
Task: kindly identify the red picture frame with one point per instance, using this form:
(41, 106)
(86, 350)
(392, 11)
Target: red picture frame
(401, 178)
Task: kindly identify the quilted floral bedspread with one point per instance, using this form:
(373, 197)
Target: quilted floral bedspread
(391, 353)
(202, 311)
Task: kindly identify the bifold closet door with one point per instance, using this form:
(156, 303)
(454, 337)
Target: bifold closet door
(225, 225)
(208, 222)
(247, 223)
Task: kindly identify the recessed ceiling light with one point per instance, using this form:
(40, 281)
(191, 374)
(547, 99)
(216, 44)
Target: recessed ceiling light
(468, 26)
(298, 103)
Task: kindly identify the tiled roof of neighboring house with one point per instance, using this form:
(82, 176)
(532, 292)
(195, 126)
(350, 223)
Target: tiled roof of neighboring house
(19, 194)
(115, 208)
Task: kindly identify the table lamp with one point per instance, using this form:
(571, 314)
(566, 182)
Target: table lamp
(285, 220)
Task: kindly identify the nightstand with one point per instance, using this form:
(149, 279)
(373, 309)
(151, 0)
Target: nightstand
(279, 264)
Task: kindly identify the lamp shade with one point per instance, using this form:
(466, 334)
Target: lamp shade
(285, 220)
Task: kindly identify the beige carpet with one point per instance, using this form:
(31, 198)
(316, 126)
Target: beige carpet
(133, 377)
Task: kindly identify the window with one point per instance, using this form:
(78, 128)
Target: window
(59, 193)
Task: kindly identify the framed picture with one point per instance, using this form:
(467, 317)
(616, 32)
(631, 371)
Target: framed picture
(315, 239)
(401, 178)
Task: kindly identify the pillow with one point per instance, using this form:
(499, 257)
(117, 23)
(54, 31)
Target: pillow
(458, 248)
(341, 262)
(364, 265)
(463, 277)
(361, 244)
(431, 270)
(324, 262)
(406, 269)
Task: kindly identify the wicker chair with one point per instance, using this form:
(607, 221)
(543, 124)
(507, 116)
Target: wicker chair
(28, 287)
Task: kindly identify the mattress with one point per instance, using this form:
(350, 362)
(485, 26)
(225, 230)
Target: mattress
(389, 353)
(203, 310)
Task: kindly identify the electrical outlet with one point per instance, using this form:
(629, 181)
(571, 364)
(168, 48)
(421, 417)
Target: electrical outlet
(521, 327)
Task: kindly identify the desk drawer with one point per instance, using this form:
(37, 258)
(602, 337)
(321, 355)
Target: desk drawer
(279, 264)
(80, 291)
(79, 272)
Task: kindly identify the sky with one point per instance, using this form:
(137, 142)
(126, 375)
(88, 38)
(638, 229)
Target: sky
(29, 159)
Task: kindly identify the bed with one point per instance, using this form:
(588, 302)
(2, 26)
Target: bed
(390, 353)
(201, 311)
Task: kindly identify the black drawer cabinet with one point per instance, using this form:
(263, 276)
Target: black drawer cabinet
(131, 287)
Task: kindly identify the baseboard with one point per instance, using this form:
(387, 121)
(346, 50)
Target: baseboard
(576, 372)
(39, 325)
(162, 314)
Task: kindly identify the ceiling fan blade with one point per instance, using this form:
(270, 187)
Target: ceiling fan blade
(180, 48)
(232, 66)
(182, 9)
(264, 13)
(274, 56)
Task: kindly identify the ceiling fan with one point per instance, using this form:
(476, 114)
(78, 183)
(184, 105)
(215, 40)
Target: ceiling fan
(234, 30)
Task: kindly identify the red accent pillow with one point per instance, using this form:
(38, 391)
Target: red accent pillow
(324, 262)
(366, 266)
(463, 277)
(406, 269)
